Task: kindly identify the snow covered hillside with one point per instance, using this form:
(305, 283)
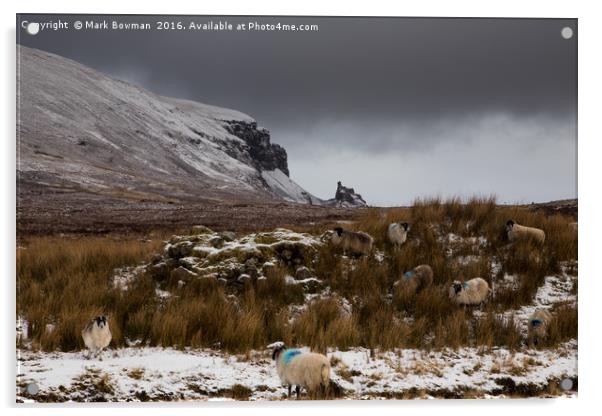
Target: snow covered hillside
(79, 130)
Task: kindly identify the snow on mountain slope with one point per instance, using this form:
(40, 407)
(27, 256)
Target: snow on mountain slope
(78, 129)
(287, 189)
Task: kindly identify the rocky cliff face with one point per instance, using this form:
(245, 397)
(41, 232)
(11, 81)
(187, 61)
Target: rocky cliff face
(265, 155)
(81, 131)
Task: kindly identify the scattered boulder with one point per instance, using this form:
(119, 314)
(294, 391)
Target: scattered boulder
(180, 249)
(228, 235)
(200, 229)
(183, 274)
(160, 271)
(188, 262)
(216, 242)
(243, 278)
(303, 273)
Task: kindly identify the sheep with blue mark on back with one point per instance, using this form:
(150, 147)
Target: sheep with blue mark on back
(301, 369)
(417, 279)
(471, 292)
(538, 326)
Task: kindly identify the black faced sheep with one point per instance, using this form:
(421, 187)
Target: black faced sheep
(471, 292)
(520, 232)
(355, 243)
(97, 335)
(397, 233)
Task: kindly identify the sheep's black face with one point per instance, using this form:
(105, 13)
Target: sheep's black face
(509, 225)
(457, 288)
(339, 231)
(101, 321)
(405, 226)
(277, 352)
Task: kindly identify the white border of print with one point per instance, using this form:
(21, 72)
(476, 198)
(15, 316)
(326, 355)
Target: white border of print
(589, 173)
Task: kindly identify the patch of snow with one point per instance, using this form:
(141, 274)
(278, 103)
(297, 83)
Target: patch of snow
(124, 276)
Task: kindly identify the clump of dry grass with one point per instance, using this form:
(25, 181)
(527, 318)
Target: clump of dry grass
(494, 330)
(323, 324)
(563, 326)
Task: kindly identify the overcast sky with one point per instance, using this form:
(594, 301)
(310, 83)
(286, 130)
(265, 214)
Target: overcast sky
(398, 108)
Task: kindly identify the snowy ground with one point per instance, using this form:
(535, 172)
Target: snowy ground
(141, 374)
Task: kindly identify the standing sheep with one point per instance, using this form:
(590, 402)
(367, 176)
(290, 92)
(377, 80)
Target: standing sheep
(97, 335)
(419, 278)
(518, 232)
(397, 233)
(538, 326)
(471, 292)
(302, 369)
(356, 243)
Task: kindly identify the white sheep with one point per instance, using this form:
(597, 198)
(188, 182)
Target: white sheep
(397, 233)
(419, 278)
(302, 369)
(471, 292)
(97, 335)
(517, 232)
(356, 243)
(538, 326)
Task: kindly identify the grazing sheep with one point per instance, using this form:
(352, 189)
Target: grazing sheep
(419, 278)
(97, 335)
(472, 292)
(518, 232)
(356, 243)
(397, 233)
(538, 326)
(302, 369)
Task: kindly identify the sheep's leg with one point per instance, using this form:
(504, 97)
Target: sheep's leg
(298, 390)
(289, 391)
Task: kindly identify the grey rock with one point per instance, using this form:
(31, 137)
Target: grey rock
(182, 273)
(181, 249)
(228, 235)
(303, 273)
(217, 242)
(200, 229)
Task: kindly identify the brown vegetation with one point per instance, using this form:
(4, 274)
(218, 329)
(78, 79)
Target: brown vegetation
(65, 281)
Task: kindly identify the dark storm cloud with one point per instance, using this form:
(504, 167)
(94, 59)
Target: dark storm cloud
(371, 85)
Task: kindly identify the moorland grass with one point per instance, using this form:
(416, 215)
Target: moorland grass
(66, 281)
